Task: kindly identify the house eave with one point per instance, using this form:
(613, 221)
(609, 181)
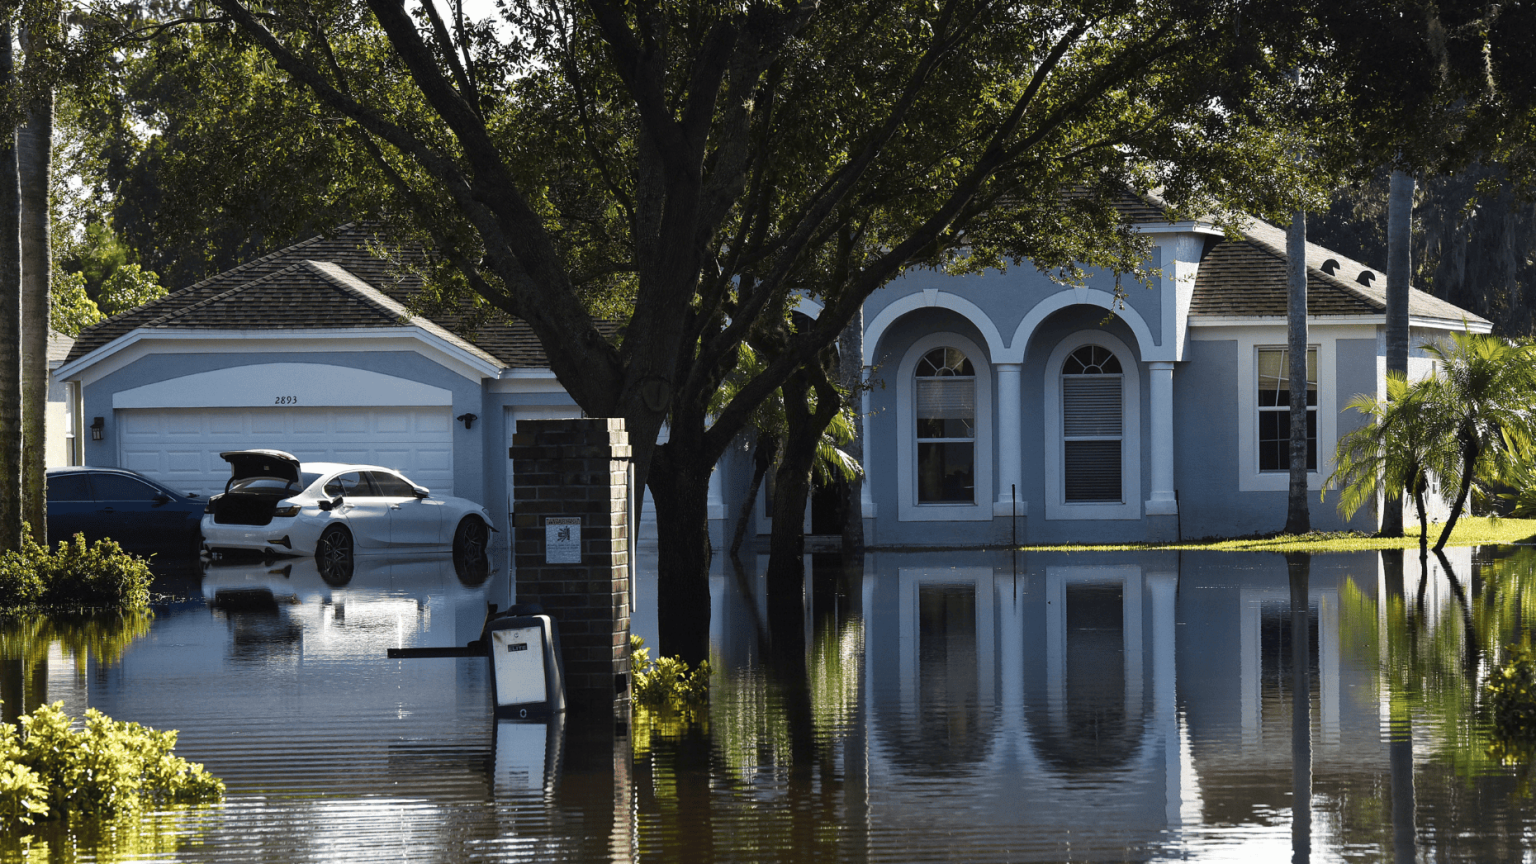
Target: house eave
(1373, 320)
(471, 363)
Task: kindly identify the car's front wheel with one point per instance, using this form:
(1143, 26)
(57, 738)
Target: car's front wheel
(333, 555)
(471, 539)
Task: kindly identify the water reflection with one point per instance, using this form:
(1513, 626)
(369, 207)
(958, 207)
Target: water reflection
(1080, 707)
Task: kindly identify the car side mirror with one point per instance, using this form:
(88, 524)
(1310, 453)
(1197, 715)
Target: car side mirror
(422, 492)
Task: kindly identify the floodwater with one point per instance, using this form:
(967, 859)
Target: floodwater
(955, 706)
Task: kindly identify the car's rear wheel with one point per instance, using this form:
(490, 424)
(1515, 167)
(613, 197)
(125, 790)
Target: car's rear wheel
(470, 540)
(333, 555)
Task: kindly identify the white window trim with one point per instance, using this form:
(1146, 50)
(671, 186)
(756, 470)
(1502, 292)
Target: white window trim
(1249, 477)
(1056, 506)
(1281, 409)
(908, 510)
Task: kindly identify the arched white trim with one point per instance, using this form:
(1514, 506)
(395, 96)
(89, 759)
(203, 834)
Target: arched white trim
(808, 307)
(931, 297)
(1056, 506)
(298, 385)
(1150, 350)
(908, 510)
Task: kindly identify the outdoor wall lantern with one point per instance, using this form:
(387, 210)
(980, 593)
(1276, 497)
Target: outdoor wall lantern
(469, 419)
(98, 426)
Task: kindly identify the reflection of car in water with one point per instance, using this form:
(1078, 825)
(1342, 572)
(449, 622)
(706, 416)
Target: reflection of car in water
(305, 580)
(330, 510)
(140, 514)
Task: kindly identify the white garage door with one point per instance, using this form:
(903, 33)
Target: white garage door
(180, 446)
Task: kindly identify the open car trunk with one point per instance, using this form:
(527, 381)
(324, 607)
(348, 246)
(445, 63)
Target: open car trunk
(258, 480)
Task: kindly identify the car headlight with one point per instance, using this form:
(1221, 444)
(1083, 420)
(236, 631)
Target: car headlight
(290, 510)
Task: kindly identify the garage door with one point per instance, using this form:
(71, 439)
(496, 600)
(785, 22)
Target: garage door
(180, 446)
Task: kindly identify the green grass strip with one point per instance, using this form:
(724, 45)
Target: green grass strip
(1470, 531)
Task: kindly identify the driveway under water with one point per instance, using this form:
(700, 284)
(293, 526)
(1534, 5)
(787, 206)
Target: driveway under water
(954, 706)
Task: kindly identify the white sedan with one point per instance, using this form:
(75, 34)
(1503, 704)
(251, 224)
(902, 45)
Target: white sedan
(274, 505)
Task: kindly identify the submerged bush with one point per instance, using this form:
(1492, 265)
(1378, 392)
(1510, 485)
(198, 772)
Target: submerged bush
(1512, 695)
(73, 574)
(666, 681)
(671, 702)
(49, 769)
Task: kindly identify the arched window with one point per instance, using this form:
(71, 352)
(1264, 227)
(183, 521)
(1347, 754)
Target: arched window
(1092, 433)
(945, 409)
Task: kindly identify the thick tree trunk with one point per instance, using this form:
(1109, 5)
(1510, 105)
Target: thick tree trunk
(679, 484)
(1399, 273)
(34, 147)
(10, 323)
(850, 371)
(1297, 518)
(1418, 500)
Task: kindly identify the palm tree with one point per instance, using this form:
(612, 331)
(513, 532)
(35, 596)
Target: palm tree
(1397, 451)
(34, 165)
(10, 319)
(1481, 397)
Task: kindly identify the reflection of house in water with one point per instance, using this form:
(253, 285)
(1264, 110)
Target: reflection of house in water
(1152, 690)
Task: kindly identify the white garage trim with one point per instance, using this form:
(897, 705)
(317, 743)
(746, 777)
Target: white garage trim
(468, 361)
(308, 385)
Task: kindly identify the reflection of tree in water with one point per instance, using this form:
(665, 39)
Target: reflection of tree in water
(1433, 659)
(260, 627)
(25, 640)
(1094, 729)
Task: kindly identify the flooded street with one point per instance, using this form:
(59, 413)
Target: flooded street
(951, 706)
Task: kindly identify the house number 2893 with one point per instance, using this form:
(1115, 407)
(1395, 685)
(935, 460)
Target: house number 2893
(287, 400)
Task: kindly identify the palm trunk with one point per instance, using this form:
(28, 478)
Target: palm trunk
(1399, 273)
(1418, 500)
(1297, 518)
(34, 147)
(1469, 459)
(1299, 565)
(10, 322)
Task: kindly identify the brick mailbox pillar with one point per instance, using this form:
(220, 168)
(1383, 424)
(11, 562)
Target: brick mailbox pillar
(571, 549)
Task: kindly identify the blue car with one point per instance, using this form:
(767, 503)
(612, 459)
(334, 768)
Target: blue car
(140, 514)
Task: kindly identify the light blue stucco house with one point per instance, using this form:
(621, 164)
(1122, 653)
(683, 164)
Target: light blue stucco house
(999, 403)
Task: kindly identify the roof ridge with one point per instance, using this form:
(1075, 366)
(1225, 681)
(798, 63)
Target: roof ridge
(271, 255)
(362, 290)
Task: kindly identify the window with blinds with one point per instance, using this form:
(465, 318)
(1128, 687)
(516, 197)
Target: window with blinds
(944, 394)
(1275, 409)
(1091, 431)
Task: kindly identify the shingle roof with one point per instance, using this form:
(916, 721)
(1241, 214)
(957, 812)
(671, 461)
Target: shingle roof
(58, 347)
(330, 281)
(1246, 278)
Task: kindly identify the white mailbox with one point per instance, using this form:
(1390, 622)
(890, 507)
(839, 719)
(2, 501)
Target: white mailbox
(525, 666)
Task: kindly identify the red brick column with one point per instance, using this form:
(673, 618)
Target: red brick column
(574, 474)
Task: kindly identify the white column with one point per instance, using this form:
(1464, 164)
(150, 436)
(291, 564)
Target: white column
(716, 502)
(1164, 590)
(866, 450)
(1162, 502)
(1010, 422)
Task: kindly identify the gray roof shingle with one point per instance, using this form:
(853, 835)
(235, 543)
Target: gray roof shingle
(330, 281)
(1246, 278)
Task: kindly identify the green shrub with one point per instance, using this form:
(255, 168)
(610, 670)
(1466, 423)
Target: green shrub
(1512, 695)
(666, 681)
(107, 768)
(73, 574)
